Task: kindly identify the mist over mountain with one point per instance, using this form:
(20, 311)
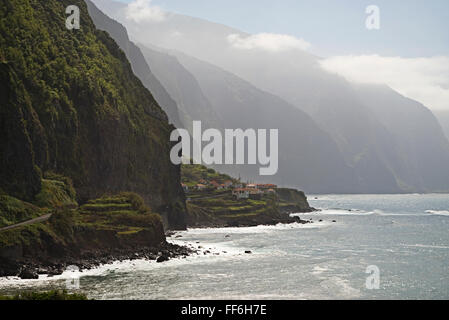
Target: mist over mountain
(308, 157)
(390, 143)
(183, 87)
(443, 119)
(420, 155)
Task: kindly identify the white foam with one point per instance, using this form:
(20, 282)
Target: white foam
(127, 266)
(341, 286)
(357, 212)
(438, 212)
(426, 246)
(253, 230)
(319, 270)
(220, 250)
(337, 212)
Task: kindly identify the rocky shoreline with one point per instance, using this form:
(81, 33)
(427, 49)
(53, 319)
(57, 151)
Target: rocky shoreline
(31, 269)
(249, 223)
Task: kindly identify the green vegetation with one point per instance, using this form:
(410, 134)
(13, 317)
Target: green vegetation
(13, 211)
(49, 295)
(102, 217)
(191, 175)
(125, 201)
(292, 200)
(71, 109)
(124, 214)
(229, 211)
(219, 207)
(56, 194)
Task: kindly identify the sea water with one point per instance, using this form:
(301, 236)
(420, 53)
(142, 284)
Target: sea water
(406, 237)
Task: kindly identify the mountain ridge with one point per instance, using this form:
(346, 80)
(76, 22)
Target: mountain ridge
(383, 158)
(139, 66)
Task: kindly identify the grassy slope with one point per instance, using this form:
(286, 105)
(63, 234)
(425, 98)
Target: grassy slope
(110, 222)
(192, 174)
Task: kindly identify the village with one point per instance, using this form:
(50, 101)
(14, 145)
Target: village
(217, 199)
(239, 190)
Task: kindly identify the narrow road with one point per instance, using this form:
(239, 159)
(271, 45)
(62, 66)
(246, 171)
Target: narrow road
(43, 218)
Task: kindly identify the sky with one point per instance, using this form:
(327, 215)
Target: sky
(412, 28)
(409, 52)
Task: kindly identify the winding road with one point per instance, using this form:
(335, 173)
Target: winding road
(43, 218)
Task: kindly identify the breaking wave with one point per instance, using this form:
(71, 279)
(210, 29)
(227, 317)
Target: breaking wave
(438, 212)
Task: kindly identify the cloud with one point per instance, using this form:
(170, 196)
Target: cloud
(142, 10)
(176, 34)
(268, 41)
(423, 79)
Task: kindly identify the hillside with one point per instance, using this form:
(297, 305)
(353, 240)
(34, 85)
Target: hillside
(76, 125)
(416, 134)
(443, 119)
(183, 87)
(308, 157)
(191, 175)
(74, 107)
(212, 201)
(378, 156)
(137, 61)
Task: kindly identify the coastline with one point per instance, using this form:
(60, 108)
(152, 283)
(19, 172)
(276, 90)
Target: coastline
(176, 249)
(27, 269)
(31, 269)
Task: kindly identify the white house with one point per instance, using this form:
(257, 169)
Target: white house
(241, 193)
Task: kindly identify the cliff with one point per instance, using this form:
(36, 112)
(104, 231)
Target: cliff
(107, 229)
(292, 201)
(138, 64)
(70, 104)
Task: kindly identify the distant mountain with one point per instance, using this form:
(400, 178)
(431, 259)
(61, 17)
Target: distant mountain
(443, 118)
(138, 63)
(419, 154)
(383, 156)
(309, 158)
(183, 87)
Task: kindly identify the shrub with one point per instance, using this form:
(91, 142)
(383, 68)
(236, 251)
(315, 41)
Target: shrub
(136, 202)
(62, 222)
(49, 295)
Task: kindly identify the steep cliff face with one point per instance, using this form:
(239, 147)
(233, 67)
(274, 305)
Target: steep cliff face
(308, 158)
(71, 104)
(183, 87)
(419, 150)
(443, 119)
(137, 61)
(19, 175)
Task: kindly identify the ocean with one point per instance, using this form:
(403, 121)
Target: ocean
(404, 238)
